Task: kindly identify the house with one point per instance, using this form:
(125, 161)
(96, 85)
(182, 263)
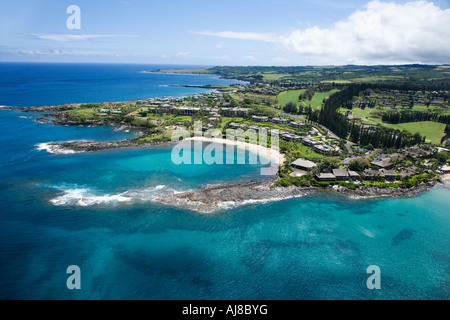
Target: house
(389, 174)
(325, 177)
(341, 174)
(445, 169)
(304, 164)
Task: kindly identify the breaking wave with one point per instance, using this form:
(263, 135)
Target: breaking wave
(86, 197)
(54, 149)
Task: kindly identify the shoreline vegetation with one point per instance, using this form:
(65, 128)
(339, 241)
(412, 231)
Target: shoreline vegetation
(287, 102)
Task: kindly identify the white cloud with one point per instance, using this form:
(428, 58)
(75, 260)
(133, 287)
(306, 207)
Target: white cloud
(220, 45)
(76, 37)
(270, 37)
(381, 33)
(183, 53)
(57, 52)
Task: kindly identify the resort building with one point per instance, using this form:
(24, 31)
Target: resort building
(260, 119)
(309, 142)
(325, 177)
(304, 164)
(322, 148)
(290, 137)
(370, 174)
(296, 124)
(389, 174)
(353, 175)
(341, 174)
(280, 121)
(240, 112)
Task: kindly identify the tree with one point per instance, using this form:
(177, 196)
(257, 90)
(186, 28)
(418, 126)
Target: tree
(359, 164)
(290, 107)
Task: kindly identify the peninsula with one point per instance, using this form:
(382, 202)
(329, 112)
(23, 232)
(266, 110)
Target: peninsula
(383, 132)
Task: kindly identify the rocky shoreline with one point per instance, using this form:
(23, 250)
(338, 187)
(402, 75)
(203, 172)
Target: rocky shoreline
(221, 197)
(82, 146)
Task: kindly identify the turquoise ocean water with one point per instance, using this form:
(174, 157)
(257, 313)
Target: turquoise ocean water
(97, 211)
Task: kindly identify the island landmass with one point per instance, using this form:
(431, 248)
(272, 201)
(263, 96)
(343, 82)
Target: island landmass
(363, 131)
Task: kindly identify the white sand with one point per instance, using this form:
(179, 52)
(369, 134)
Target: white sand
(275, 156)
(445, 178)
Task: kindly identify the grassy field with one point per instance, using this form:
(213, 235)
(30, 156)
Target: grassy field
(432, 130)
(373, 79)
(84, 113)
(316, 101)
(337, 81)
(274, 76)
(289, 96)
(292, 96)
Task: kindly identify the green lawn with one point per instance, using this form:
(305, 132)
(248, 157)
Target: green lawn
(274, 76)
(84, 113)
(337, 81)
(432, 130)
(316, 101)
(292, 96)
(289, 96)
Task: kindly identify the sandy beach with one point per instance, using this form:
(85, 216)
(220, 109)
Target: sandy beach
(445, 178)
(275, 156)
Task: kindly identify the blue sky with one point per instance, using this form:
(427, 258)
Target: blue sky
(244, 32)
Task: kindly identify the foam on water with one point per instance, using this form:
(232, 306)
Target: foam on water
(84, 197)
(54, 149)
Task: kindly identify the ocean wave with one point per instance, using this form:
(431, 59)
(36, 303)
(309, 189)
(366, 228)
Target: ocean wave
(54, 149)
(85, 197)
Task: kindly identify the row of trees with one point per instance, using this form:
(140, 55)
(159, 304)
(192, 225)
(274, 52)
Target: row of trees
(380, 137)
(414, 116)
(364, 135)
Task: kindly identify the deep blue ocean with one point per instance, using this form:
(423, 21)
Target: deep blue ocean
(76, 209)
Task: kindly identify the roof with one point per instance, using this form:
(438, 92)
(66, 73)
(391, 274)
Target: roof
(325, 176)
(371, 172)
(304, 163)
(389, 172)
(340, 172)
(353, 174)
(383, 163)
